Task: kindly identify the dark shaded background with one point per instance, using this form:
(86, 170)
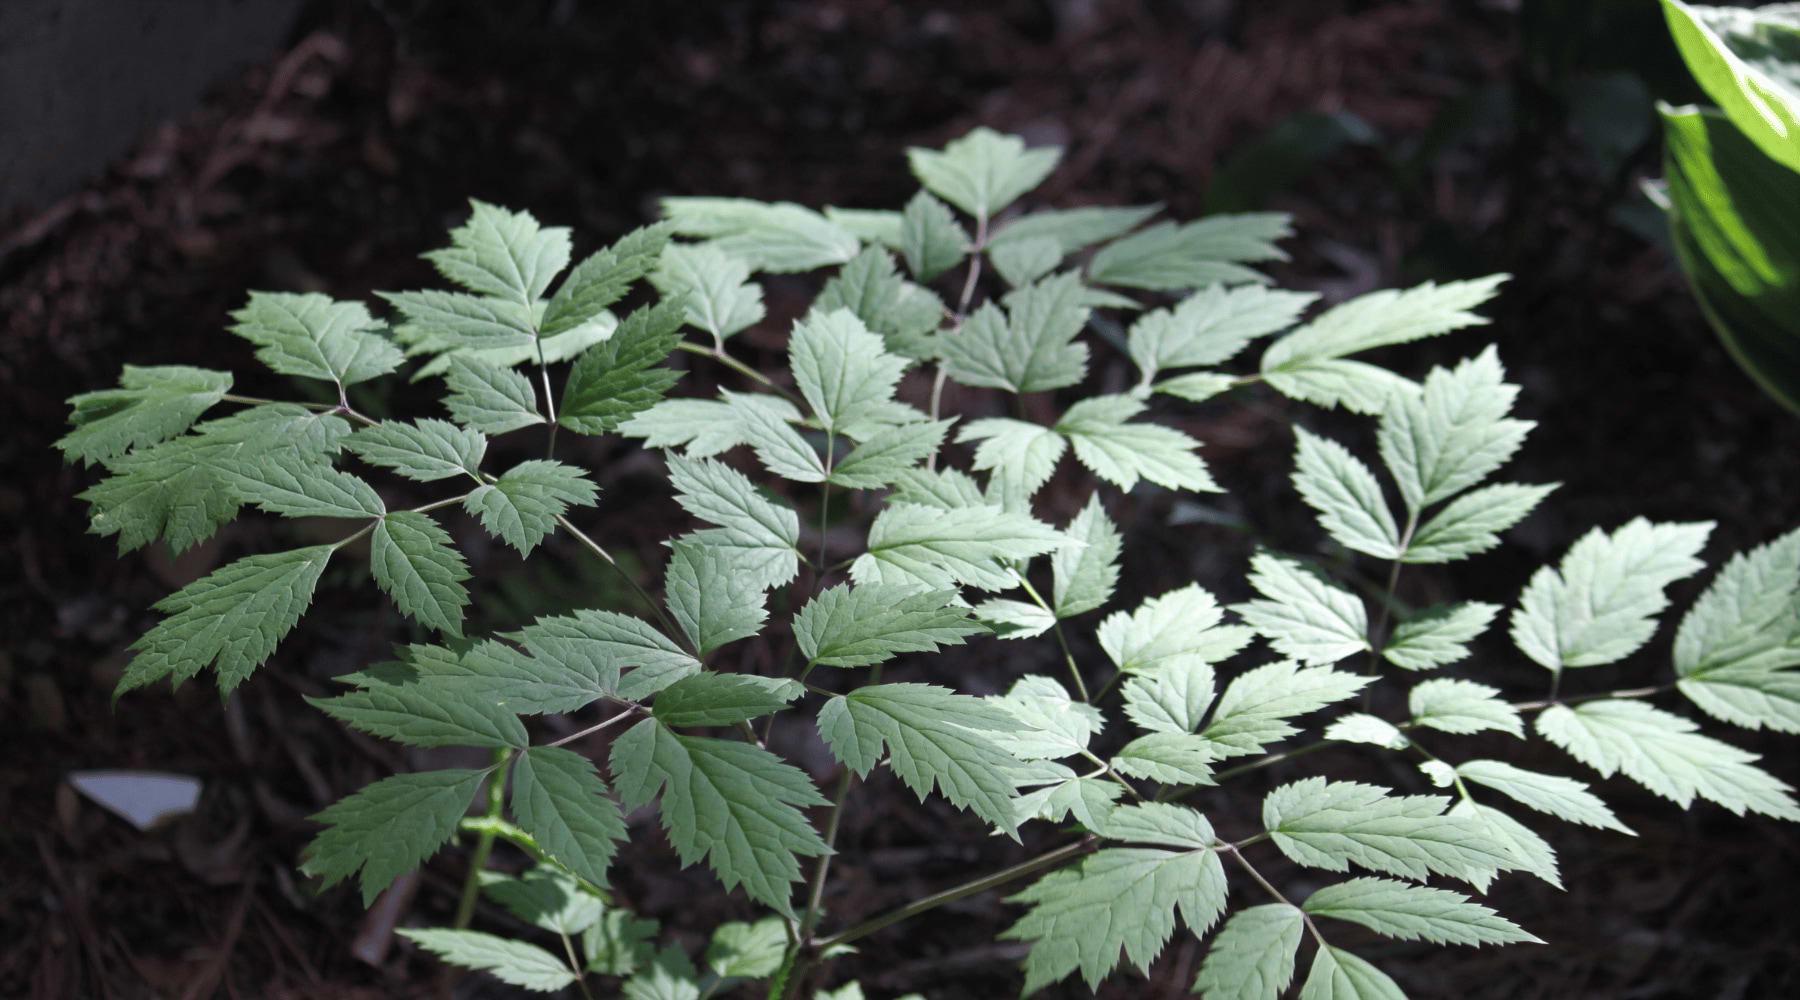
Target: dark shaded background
(1483, 139)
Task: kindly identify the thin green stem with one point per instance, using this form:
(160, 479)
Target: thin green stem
(484, 843)
(816, 891)
(1114, 775)
(1377, 635)
(1061, 639)
(673, 631)
(1269, 887)
(955, 893)
(342, 406)
(962, 311)
(549, 403)
(735, 365)
(591, 730)
(1643, 692)
(575, 964)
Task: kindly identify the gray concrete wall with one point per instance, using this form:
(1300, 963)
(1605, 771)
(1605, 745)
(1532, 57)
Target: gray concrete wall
(80, 80)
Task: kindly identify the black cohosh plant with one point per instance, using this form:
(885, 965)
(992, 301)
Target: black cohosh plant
(1126, 755)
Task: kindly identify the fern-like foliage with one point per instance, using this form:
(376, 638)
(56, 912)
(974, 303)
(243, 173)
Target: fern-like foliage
(1191, 693)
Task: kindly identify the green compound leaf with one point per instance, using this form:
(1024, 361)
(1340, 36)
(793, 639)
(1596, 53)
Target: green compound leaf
(545, 897)
(1378, 319)
(1170, 257)
(603, 278)
(175, 489)
(842, 369)
(1121, 899)
(1088, 800)
(1253, 956)
(619, 944)
(1086, 567)
(712, 600)
(1357, 727)
(488, 398)
(230, 619)
(521, 507)
(705, 427)
(1029, 348)
(1564, 798)
(417, 710)
(313, 337)
(1462, 707)
(1530, 852)
(1022, 262)
(721, 298)
(1014, 619)
(1210, 326)
(1358, 387)
(285, 483)
(1158, 823)
(1021, 455)
(1438, 636)
(1196, 387)
(746, 950)
(873, 623)
(1174, 698)
(1338, 975)
(1171, 758)
(151, 405)
(1255, 705)
(1073, 228)
(503, 254)
(513, 962)
(1453, 433)
(886, 455)
(415, 563)
(424, 451)
(878, 227)
(1172, 626)
(709, 699)
(1331, 824)
(1600, 604)
(1472, 522)
(753, 527)
(615, 378)
(1055, 725)
(1304, 616)
(388, 828)
(1121, 453)
(1344, 492)
(560, 800)
(670, 976)
(589, 649)
(728, 802)
(780, 238)
(930, 239)
(1662, 752)
(778, 446)
(932, 549)
(1735, 645)
(932, 735)
(455, 320)
(1414, 912)
(906, 315)
(982, 172)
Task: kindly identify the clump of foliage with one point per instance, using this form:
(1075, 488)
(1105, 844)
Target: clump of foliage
(1125, 754)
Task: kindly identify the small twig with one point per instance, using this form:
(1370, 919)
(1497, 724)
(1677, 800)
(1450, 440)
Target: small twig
(955, 893)
(591, 730)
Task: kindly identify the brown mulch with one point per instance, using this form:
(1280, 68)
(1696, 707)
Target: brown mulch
(332, 165)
